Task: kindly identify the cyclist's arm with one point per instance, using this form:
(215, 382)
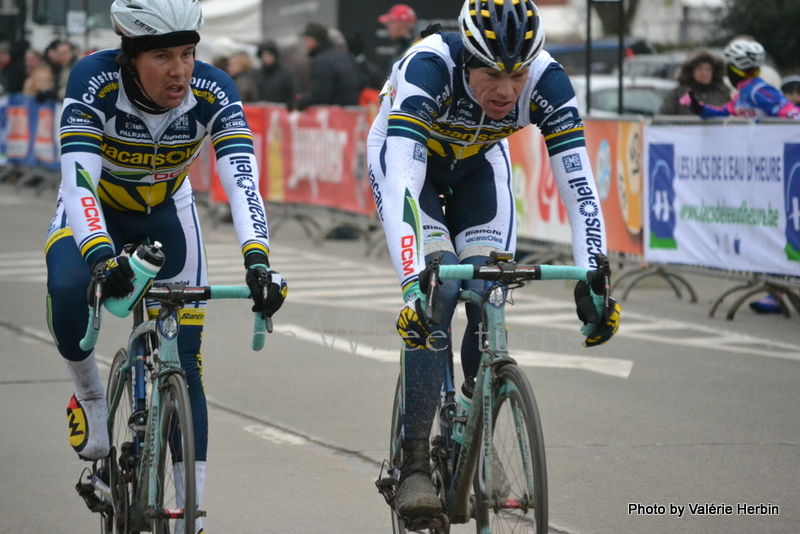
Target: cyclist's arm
(554, 109)
(420, 82)
(82, 161)
(773, 103)
(238, 172)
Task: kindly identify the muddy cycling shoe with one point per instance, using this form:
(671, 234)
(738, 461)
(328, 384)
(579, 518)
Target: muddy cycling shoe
(88, 427)
(416, 496)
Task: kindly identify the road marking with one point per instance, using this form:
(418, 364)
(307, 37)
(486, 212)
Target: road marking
(276, 436)
(615, 367)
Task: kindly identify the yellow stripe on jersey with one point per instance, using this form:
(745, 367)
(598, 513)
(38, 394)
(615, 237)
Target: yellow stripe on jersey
(153, 195)
(94, 242)
(551, 136)
(410, 119)
(218, 141)
(252, 246)
(64, 232)
(113, 194)
(82, 134)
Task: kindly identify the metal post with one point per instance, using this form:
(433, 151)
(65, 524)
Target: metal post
(588, 55)
(621, 14)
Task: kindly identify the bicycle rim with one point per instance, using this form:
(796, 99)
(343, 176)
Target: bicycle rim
(517, 499)
(396, 450)
(122, 480)
(176, 498)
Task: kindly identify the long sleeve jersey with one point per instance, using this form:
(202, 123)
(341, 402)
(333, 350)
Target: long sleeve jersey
(115, 156)
(429, 118)
(756, 99)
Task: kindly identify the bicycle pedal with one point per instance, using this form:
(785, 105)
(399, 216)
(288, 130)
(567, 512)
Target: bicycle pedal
(439, 523)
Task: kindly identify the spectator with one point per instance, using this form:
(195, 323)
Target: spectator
(790, 87)
(240, 68)
(64, 58)
(704, 74)
(275, 82)
(333, 72)
(400, 21)
(372, 76)
(39, 82)
(17, 72)
(755, 98)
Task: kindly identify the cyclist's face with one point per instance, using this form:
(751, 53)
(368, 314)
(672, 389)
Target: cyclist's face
(165, 73)
(496, 91)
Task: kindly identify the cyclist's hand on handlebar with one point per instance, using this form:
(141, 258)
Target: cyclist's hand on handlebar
(116, 275)
(599, 312)
(267, 288)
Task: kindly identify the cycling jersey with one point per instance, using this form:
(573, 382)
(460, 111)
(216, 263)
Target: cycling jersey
(116, 157)
(430, 125)
(756, 99)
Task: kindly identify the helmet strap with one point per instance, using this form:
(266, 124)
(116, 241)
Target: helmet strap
(136, 93)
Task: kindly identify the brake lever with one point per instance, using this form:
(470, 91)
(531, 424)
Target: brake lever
(433, 289)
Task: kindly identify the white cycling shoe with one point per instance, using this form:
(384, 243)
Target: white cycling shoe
(88, 427)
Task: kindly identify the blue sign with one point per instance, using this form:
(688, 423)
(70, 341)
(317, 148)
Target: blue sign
(661, 203)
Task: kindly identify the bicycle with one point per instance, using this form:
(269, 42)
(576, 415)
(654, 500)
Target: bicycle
(135, 488)
(497, 474)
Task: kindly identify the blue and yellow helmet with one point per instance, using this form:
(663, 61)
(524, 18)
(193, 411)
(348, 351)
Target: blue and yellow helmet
(505, 35)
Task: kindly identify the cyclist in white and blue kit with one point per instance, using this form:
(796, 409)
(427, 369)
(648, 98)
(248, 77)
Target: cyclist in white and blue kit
(440, 138)
(132, 124)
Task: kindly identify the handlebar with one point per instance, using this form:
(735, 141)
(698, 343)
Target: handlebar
(177, 295)
(503, 270)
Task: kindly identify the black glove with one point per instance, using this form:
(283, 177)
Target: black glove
(116, 275)
(268, 289)
(600, 322)
(690, 101)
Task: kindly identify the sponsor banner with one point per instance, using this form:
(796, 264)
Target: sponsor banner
(21, 123)
(615, 152)
(614, 149)
(723, 196)
(540, 212)
(45, 149)
(317, 156)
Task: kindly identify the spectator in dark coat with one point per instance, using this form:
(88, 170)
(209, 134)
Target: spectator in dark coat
(334, 76)
(16, 71)
(372, 76)
(275, 82)
(703, 73)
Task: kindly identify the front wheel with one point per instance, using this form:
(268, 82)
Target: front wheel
(121, 465)
(511, 494)
(176, 502)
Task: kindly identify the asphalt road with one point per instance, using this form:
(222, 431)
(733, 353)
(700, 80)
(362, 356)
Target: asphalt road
(679, 409)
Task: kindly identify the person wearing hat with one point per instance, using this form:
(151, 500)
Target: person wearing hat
(275, 82)
(334, 77)
(400, 21)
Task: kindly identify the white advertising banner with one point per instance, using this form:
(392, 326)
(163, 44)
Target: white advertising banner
(725, 196)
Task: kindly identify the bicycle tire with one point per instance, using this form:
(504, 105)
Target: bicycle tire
(517, 502)
(177, 437)
(396, 450)
(123, 485)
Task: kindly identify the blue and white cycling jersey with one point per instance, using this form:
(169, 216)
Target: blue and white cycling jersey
(117, 157)
(431, 129)
(756, 99)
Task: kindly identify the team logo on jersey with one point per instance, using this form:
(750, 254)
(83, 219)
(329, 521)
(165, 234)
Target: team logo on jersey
(181, 123)
(245, 182)
(420, 153)
(572, 163)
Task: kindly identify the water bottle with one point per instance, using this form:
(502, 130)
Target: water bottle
(464, 402)
(145, 263)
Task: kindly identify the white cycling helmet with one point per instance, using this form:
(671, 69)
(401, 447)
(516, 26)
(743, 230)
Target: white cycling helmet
(744, 54)
(150, 18)
(505, 35)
